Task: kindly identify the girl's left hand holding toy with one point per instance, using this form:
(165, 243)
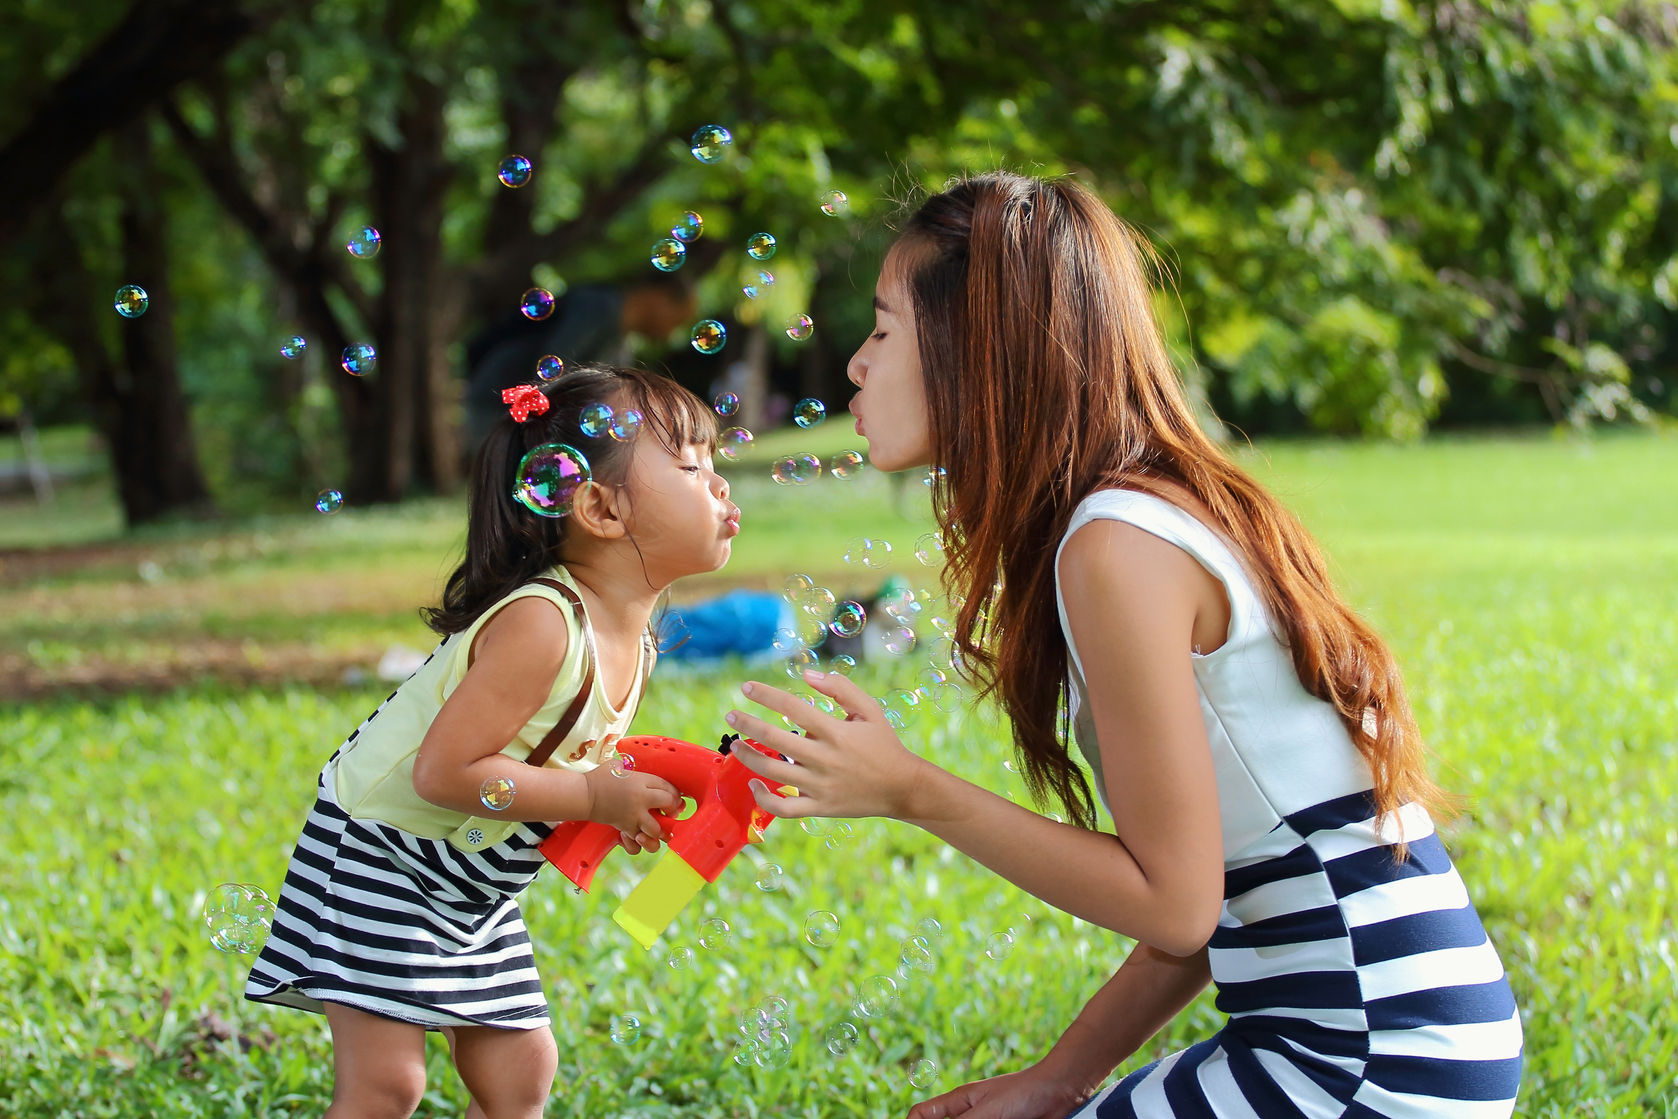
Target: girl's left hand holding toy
(854, 766)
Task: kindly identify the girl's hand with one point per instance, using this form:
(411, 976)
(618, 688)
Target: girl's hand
(854, 766)
(631, 802)
(1031, 1093)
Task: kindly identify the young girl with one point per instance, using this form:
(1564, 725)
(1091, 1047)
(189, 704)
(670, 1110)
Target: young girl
(1248, 734)
(399, 910)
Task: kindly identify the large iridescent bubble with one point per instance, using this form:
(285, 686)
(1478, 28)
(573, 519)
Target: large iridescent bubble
(548, 478)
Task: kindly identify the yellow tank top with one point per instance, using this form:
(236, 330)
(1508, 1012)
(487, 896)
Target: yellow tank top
(372, 774)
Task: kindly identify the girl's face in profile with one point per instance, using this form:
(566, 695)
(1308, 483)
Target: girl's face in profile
(890, 404)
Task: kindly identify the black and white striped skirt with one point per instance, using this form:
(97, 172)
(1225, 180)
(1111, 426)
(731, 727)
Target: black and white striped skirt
(377, 919)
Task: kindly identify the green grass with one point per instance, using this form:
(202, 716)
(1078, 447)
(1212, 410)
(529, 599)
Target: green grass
(1529, 586)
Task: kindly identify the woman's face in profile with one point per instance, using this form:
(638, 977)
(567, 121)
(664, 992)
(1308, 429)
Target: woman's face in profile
(890, 404)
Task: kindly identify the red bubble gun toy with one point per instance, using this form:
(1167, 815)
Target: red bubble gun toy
(725, 818)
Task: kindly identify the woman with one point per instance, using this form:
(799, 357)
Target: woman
(1249, 735)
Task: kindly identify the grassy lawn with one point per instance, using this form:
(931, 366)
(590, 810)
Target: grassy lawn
(1529, 586)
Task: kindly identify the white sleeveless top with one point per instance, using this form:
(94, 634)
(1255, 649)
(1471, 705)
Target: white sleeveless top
(1276, 748)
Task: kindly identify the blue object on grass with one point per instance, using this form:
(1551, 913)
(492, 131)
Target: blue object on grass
(738, 624)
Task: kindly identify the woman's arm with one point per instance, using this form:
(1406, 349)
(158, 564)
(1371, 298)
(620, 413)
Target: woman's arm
(1133, 599)
(1147, 991)
(515, 659)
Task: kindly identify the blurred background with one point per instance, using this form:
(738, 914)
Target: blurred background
(1376, 218)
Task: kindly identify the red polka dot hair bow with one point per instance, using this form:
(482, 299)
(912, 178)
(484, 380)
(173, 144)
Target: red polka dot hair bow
(524, 401)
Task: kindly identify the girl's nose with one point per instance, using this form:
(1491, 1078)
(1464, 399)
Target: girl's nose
(856, 369)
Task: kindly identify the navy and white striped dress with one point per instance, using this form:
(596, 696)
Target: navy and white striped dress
(1356, 986)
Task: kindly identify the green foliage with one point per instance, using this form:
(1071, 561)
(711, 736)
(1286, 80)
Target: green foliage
(1526, 586)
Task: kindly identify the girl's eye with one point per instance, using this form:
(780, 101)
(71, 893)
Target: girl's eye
(691, 469)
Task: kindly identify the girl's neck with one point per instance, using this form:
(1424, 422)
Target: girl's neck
(620, 602)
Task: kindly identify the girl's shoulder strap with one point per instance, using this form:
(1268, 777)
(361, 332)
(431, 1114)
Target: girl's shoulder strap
(556, 735)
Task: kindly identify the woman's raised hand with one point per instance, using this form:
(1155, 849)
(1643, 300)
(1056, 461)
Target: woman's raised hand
(851, 766)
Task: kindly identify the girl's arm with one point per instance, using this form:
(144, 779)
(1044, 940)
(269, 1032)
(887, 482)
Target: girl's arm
(515, 658)
(1148, 990)
(1133, 600)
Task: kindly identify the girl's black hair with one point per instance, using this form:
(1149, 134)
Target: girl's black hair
(506, 544)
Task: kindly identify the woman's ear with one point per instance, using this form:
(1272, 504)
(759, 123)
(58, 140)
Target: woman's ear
(594, 510)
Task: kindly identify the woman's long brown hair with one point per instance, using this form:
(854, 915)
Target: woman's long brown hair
(1047, 378)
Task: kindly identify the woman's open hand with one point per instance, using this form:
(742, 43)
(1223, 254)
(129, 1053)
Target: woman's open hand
(1031, 1093)
(851, 766)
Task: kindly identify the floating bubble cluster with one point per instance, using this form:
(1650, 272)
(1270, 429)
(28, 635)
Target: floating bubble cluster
(668, 254)
(292, 348)
(710, 143)
(834, 203)
(131, 301)
(548, 477)
(760, 246)
(595, 420)
(496, 793)
(514, 171)
(329, 501)
(846, 465)
(238, 916)
(765, 1033)
(732, 441)
(359, 359)
(809, 412)
(708, 336)
(688, 227)
(800, 327)
(549, 368)
(536, 304)
(365, 243)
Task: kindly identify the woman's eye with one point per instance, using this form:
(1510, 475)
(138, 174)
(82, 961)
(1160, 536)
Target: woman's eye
(879, 335)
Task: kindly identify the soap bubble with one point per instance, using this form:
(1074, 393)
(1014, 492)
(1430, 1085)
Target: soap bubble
(900, 706)
(293, 347)
(626, 1029)
(837, 835)
(841, 1038)
(726, 404)
(595, 420)
(621, 765)
(934, 474)
(848, 619)
(846, 465)
(760, 246)
(812, 631)
(929, 927)
(688, 227)
(679, 957)
(878, 997)
(548, 477)
(714, 933)
(238, 916)
(923, 1073)
(710, 142)
(732, 441)
(514, 171)
(496, 793)
(757, 283)
(818, 602)
(929, 549)
(800, 327)
(131, 301)
(773, 1051)
(797, 665)
(821, 929)
(358, 359)
(916, 956)
(668, 254)
(329, 501)
(842, 665)
(549, 368)
(796, 470)
(708, 336)
(813, 826)
(626, 425)
(785, 642)
(1000, 944)
(770, 877)
(835, 203)
(809, 412)
(898, 640)
(865, 551)
(365, 243)
(536, 304)
(797, 587)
